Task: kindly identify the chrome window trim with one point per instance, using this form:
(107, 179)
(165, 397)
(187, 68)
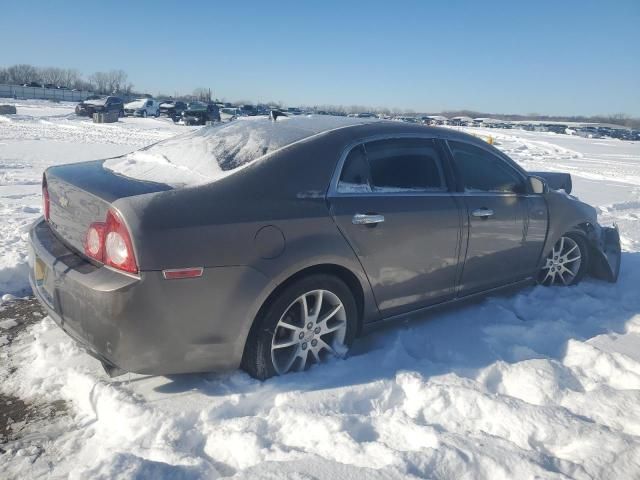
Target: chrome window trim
(333, 186)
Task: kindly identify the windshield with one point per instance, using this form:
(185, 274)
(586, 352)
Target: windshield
(197, 106)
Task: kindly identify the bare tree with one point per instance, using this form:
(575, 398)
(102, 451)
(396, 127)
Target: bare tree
(22, 73)
(116, 80)
(52, 75)
(70, 78)
(100, 82)
(4, 75)
(202, 94)
(127, 88)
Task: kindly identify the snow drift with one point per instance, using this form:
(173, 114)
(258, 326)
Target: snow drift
(217, 151)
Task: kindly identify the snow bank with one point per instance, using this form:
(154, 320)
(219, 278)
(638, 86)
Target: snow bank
(214, 152)
(503, 389)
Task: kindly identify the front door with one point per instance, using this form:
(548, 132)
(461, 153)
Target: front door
(392, 203)
(497, 209)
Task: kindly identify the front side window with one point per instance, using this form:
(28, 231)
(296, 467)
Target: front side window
(406, 164)
(482, 171)
(394, 165)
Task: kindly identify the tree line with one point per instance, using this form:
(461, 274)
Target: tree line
(113, 81)
(116, 81)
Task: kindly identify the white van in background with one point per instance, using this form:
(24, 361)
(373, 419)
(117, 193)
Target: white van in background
(143, 107)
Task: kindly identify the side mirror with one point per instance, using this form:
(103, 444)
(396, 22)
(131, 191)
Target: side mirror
(538, 185)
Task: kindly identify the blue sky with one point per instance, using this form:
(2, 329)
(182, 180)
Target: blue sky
(549, 57)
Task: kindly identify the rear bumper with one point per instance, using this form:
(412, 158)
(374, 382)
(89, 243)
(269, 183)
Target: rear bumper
(146, 324)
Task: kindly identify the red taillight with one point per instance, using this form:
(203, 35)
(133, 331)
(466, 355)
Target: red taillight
(110, 243)
(94, 241)
(45, 198)
(118, 248)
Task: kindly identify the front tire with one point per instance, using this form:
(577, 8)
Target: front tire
(311, 320)
(567, 263)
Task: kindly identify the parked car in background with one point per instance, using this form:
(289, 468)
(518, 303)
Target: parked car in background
(32, 84)
(97, 104)
(199, 113)
(588, 132)
(229, 113)
(143, 107)
(172, 109)
(272, 244)
(248, 110)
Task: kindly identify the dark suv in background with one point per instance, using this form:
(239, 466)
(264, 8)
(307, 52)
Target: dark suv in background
(199, 113)
(96, 104)
(172, 109)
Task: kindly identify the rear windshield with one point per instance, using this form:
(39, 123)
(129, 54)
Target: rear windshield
(214, 152)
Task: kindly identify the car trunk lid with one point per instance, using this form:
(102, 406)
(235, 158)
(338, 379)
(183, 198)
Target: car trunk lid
(81, 193)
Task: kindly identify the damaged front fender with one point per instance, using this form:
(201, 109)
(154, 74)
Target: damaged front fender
(605, 247)
(566, 215)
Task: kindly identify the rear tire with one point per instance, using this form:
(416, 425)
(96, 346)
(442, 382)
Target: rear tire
(567, 263)
(284, 339)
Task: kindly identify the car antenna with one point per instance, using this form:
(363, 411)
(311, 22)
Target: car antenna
(274, 114)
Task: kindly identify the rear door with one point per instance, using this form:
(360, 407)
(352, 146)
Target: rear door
(497, 210)
(392, 203)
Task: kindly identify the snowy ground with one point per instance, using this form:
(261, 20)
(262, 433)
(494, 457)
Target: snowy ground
(542, 384)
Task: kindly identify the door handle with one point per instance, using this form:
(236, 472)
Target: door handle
(367, 219)
(482, 213)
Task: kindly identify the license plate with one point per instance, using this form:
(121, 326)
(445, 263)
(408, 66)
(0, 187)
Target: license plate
(43, 279)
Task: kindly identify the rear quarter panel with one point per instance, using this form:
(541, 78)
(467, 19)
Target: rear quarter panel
(217, 224)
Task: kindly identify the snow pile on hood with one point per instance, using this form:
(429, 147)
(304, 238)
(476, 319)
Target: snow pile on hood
(214, 152)
(95, 101)
(136, 103)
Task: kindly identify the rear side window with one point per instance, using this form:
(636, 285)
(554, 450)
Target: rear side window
(482, 171)
(355, 172)
(394, 165)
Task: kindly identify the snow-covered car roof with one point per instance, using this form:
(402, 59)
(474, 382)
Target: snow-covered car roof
(214, 152)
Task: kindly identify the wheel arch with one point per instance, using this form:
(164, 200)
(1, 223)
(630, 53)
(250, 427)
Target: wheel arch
(339, 271)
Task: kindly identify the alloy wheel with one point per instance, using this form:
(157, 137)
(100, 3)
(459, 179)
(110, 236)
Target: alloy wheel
(312, 327)
(563, 263)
